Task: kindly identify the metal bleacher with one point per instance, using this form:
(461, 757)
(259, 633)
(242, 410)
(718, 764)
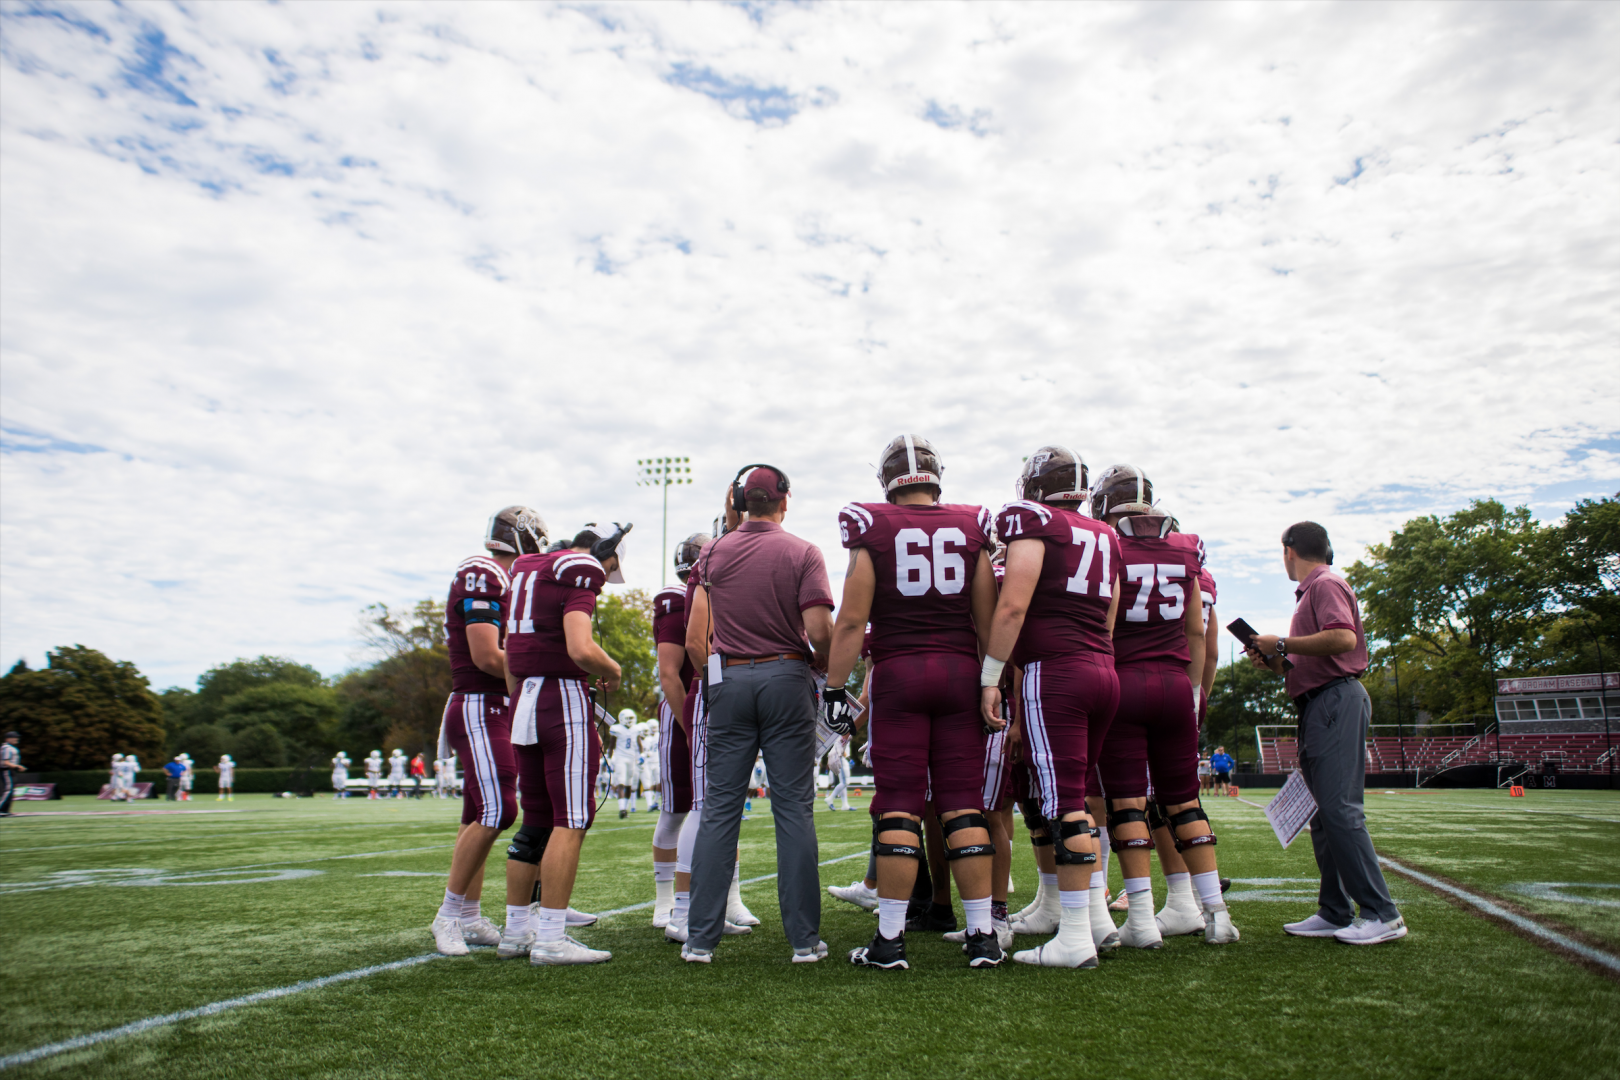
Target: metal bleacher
(1426, 754)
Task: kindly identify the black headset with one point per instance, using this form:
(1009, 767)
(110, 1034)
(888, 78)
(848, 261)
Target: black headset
(739, 501)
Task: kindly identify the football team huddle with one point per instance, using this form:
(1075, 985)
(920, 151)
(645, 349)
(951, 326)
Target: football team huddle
(1054, 657)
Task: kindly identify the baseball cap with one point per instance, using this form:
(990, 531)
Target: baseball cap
(763, 482)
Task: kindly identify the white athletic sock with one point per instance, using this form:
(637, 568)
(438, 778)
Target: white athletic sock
(451, 908)
(470, 909)
(517, 918)
(1099, 879)
(734, 894)
(664, 893)
(978, 915)
(1049, 881)
(891, 917)
(664, 871)
(1209, 889)
(552, 921)
(683, 907)
(1140, 890)
(1178, 891)
(1074, 925)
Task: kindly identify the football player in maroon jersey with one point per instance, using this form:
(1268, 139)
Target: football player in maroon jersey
(476, 724)
(1159, 654)
(1058, 600)
(550, 658)
(675, 674)
(920, 570)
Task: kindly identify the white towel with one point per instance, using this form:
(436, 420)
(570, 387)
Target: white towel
(525, 728)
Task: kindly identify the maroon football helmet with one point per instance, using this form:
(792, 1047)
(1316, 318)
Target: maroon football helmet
(517, 530)
(909, 460)
(686, 553)
(1121, 489)
(1053, 474)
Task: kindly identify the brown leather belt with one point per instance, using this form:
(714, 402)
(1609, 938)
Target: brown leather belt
(733, 661)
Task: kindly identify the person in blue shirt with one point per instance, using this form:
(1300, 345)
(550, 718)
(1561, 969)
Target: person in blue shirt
(1222, 763)
(174, 770)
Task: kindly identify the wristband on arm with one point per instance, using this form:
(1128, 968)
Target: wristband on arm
(990, 673)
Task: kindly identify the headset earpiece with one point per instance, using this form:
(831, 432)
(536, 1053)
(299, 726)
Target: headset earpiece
(739, 500)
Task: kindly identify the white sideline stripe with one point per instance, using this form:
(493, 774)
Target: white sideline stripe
(746, 881)
(81, 1041)
(1497, 911)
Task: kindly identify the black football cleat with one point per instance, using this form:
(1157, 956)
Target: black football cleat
(939, 919)
(1226, 883)
(886, 953)
(983, 950)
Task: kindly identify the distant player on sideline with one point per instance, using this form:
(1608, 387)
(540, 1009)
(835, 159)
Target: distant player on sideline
(551, 657)
(227, 779)
(920, 570)
(397, 764)
(626, 759)
(374, 765)
(187, 777)
(10, 765)
(478, 721)
(675, 676)
(649, 762)
(838, 772)
(340, 776)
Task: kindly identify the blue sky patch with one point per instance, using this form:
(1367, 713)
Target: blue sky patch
(150, 71)
(952, 118)
(65, 16)
(768, 106)
(21, 440)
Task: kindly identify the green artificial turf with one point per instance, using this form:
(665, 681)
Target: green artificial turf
(1459, 997)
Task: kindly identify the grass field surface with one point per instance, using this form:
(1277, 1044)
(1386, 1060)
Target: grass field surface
(112, 919)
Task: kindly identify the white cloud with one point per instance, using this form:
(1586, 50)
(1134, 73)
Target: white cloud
(293, 296)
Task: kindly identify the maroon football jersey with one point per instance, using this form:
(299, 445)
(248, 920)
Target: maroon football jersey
(479, 590)
(669, 624)
(1206, 588)
(544, 588)
(925, 557)
(1068, 613)
(1156, 576)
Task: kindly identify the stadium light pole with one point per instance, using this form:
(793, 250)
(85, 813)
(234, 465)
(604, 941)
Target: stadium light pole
(663, 472)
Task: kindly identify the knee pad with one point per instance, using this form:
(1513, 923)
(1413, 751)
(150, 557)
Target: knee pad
(1126, 816)
(528, 845)
(1035, 822)
(668, 832)
(1060, 851)
(900, 824)
(1187, 817)
(967, 851)
(1155, 818)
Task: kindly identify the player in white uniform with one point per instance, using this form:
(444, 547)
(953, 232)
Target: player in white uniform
(227, 779)
(186, 777)
(452, 775)
(115, 779)
(132, 766)
(838, 772)
(649, 762)
(340, 776)
(396, 773)
(626, 759)
(374, 764)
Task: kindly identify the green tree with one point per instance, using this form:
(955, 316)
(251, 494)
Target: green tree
(1461, 597)
(623, 627)
(260, 747)
(80, 710)
(399, 700)
(217, 685)
(1585, 561)
(1243, 698)
(205, 743)
(305, 717)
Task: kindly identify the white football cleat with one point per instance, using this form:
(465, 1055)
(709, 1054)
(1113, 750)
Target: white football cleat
(1040, 921)
(515, 943)
(810, 954)
(1004, 934)
(956, 937)
(1104, 934)
(1175, 921)
(1140, 930)
(662, 910)
(566, 951)
(1365, 931)
(447, 936)
(1218, 928)
(1056, 954)
(739, 914)
(480, 931)
(1315, 926)
(1122, 902)
(680, 931)
(855, 893)
(579, 918)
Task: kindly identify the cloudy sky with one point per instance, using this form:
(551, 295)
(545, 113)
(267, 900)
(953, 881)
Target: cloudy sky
(293, 296)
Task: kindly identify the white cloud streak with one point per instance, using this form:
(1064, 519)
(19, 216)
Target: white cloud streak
(293, 296)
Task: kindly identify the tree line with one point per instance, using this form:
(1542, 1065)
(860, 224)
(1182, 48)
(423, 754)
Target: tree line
(272, 711)
(1449, 604)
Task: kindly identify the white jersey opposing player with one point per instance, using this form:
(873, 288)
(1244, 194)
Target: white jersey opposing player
(340, 776)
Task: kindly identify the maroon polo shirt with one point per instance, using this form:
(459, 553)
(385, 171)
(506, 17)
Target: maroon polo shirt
(760, 580)
(1325, 602)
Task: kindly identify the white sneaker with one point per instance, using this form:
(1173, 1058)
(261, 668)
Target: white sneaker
(1055, 954)
(1040, 921)
(829, 805)
(1315, 926)
(738, 913)
(1176, 921)
(566, 951)
(1218, 928)
(956, 937)
(855, 893)
(480, 931)
(810, 954)
(515, 943)
(661, 918)
(697, 956)
(1372, 931)
(447, 936)
(579, 918)
(1122, 902)
(1137, 934)
(679, 931)
(1032, 907)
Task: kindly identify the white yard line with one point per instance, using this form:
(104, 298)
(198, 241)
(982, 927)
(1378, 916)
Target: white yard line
(745, 881)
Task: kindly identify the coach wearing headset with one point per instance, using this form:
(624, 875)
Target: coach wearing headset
(763, 592)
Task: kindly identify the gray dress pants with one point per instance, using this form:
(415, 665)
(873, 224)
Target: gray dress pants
(1332, 757)
(769, 708)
